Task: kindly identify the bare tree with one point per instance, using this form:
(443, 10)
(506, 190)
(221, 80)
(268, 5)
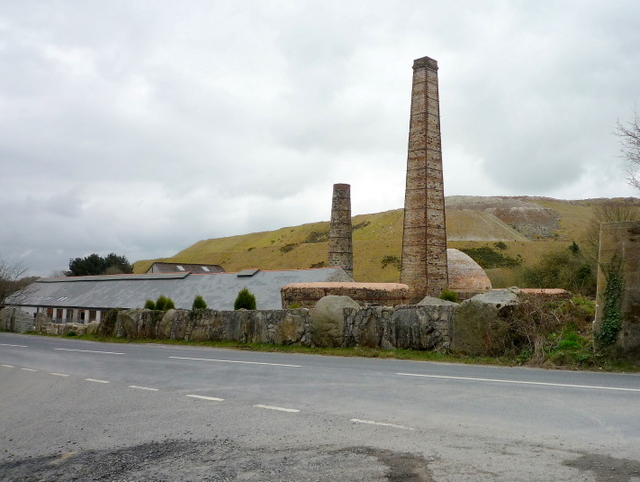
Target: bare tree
(629, 134)
(609, 212)
(12, 278)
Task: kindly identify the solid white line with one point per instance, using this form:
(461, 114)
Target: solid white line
(382, 424)
(59, 374)
(90, 351)
(144, 388)
(234, 361)
(7, 366)
(18, 346)
(207, 398)
(281, 409)
(519, 382)
(96, 381)
(28, 369)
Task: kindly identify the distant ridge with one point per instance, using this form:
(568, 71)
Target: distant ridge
(528, 225)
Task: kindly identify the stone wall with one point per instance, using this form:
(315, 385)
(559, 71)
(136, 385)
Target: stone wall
(408, 327)
(16, 320)
(415, 327)
(306, 295)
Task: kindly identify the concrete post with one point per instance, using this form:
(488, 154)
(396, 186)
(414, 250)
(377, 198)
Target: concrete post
(424, 237)
(618, 295)
(340, 233)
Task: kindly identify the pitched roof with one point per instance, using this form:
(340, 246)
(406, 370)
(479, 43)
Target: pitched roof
(219, 290)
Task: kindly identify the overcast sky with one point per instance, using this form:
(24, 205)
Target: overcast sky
(140, 127)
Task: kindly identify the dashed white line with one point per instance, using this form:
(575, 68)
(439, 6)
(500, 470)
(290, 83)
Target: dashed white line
(95, 380)
(280, 409)
(381, 424)
(144, 388)
(90, 351)
(7, 366)
(17, 346)
(28, 369)
(59, 374)
(520, 382)
(202, 397)
(234, 361)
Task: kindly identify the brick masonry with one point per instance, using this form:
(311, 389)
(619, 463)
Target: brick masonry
(306, 295)
(424, 238)
(340, 232)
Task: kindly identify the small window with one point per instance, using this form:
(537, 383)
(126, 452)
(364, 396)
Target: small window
(204, 268)
(180, 268)
(62, 298)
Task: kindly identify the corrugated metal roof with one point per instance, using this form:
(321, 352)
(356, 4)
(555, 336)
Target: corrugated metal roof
(219, 290)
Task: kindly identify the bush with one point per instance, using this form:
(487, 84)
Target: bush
(392, 260)
(245, 300)
(487, 257)
(199, 303)
(449, 295)
(566, 268)
(150, 305)
(164, 303)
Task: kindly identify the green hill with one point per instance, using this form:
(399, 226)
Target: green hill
(528, 227)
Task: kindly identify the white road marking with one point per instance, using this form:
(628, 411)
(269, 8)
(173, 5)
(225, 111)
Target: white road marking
(144, 388)
(18, 346)
(28, 369)
(520, 382)
(7, 366)
(382, 424)
(234, 361)
(90, 351)
(207, 398)
(96, 381)
(59, 374)
(281, 409)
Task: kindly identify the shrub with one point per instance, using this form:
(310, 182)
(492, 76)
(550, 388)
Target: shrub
(565, 268)
(245, 300)
(449, 295)
(317, 237)
(199, 303)
(164, 303)
(487, 257)
(392, 260)
(150, 305)
(288, 247)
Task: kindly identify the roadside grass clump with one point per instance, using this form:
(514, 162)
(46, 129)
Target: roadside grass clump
(71, 333)
(149, 305)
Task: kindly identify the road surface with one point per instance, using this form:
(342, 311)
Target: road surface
(77, 410)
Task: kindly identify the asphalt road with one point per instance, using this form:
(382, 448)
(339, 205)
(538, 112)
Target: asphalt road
(76, 410)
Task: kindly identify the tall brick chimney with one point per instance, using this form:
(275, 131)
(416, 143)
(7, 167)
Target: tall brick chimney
(424, 237)
(340, 234)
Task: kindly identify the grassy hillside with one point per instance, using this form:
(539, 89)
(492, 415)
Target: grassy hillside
(471, 222)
